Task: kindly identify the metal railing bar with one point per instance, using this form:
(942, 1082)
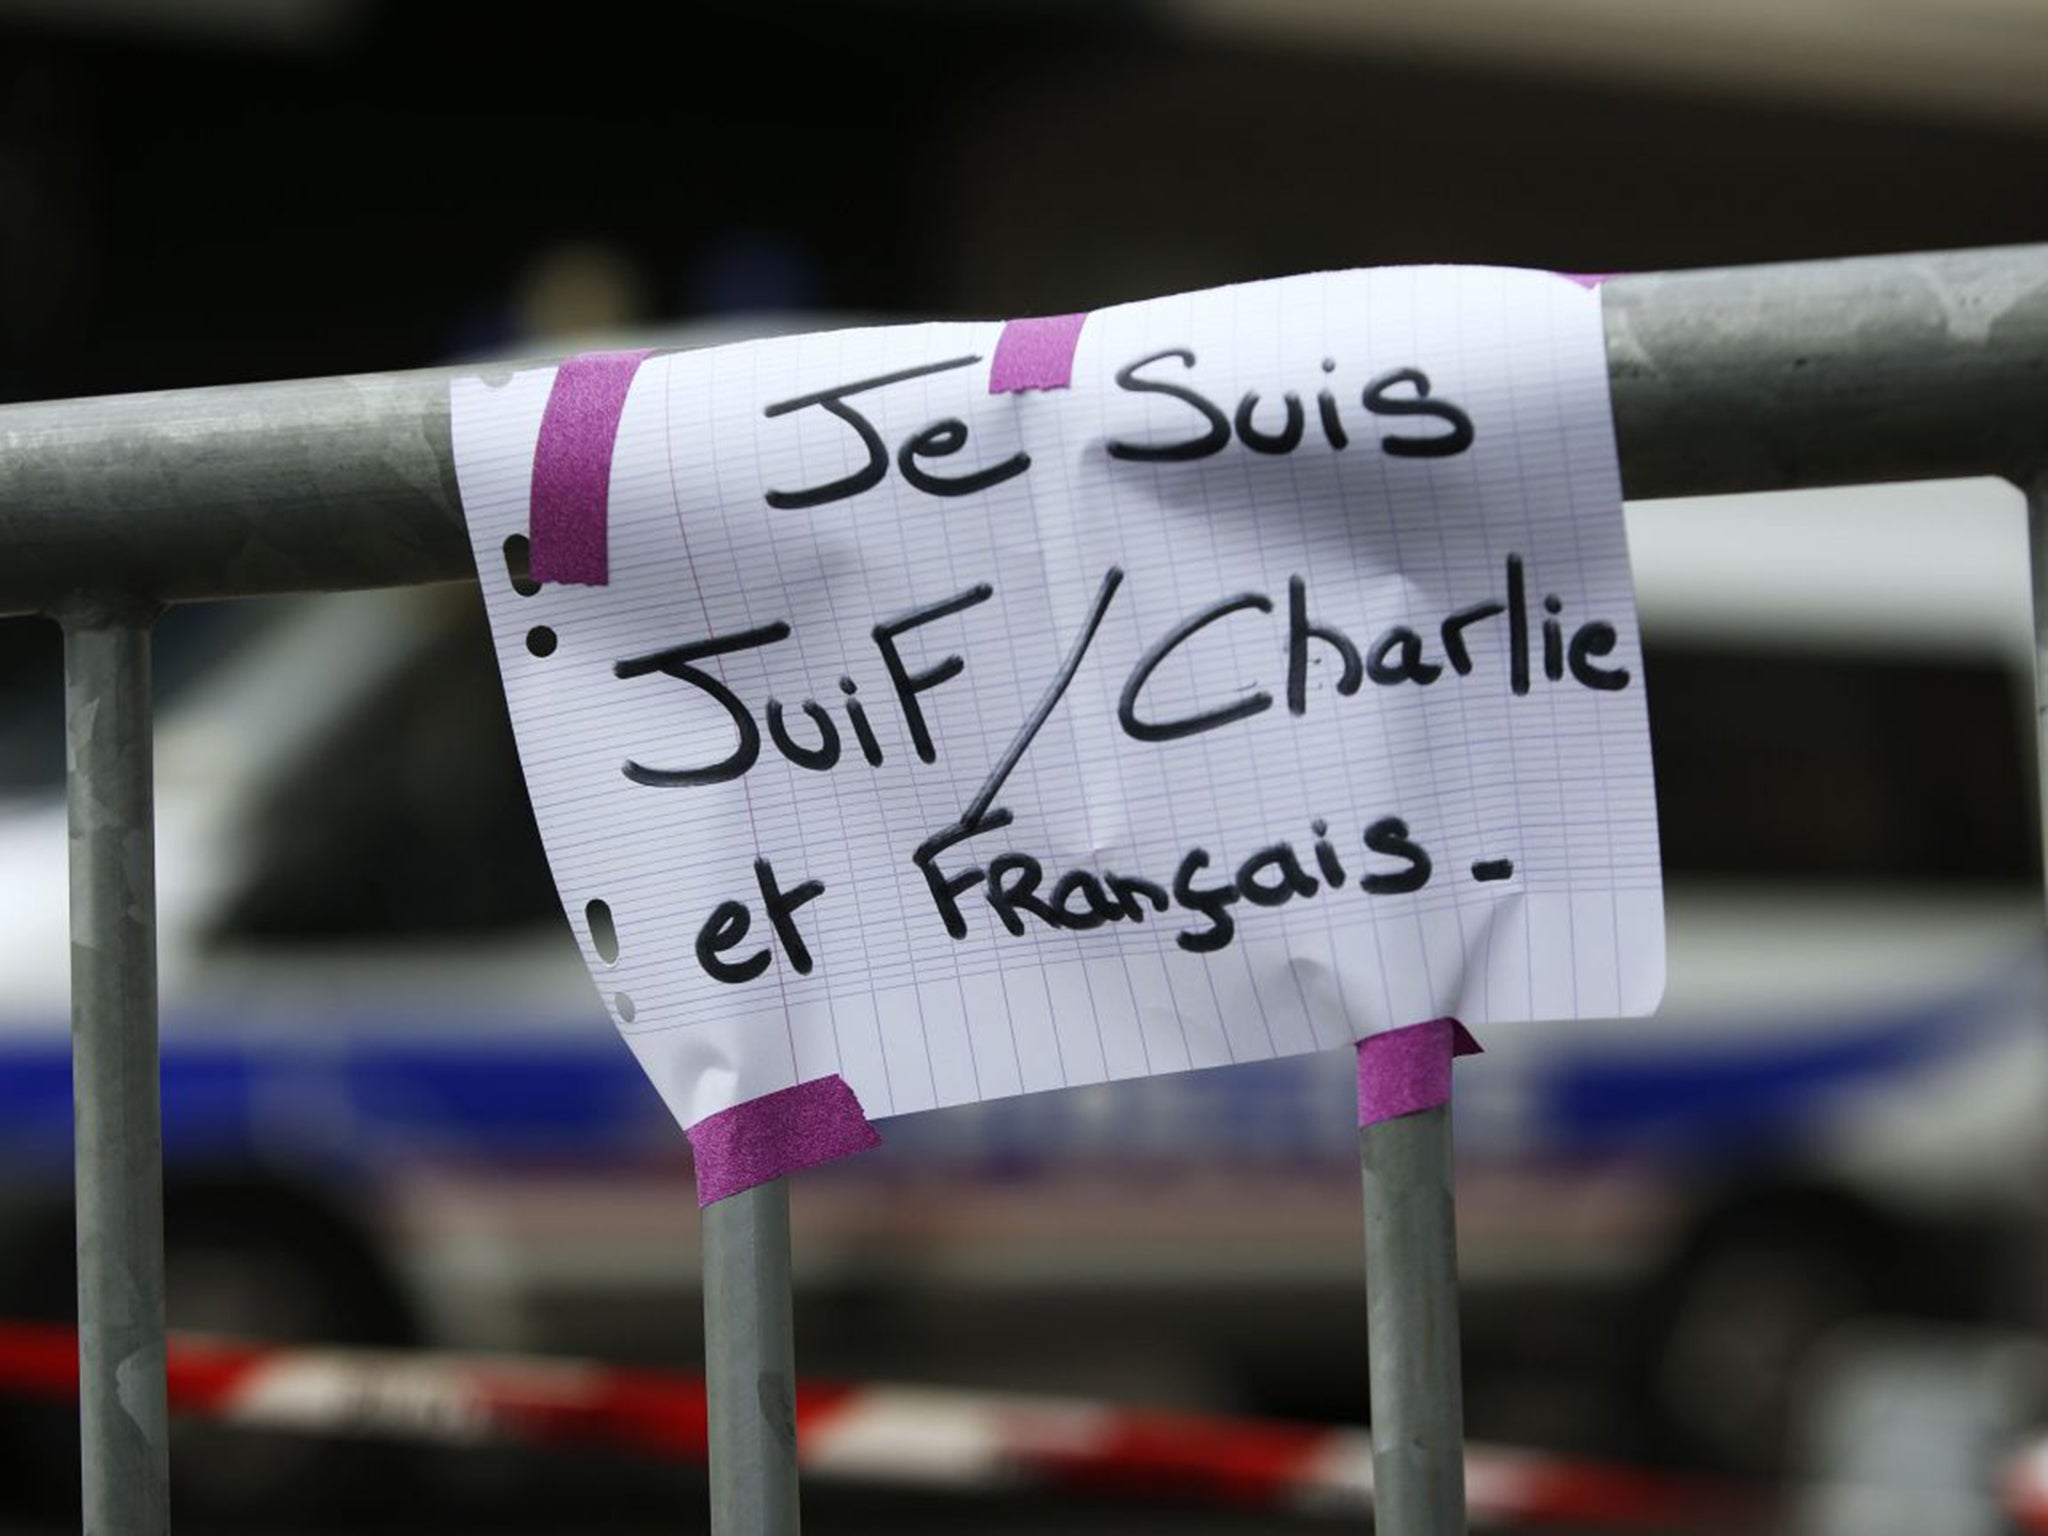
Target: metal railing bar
(118, 1132)
(1411, 1304)
(750, 1363)
(1744, 378)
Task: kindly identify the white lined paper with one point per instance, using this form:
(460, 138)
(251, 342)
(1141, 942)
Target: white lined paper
(1556, 780)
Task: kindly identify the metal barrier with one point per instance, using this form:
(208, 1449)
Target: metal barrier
(1765, 378)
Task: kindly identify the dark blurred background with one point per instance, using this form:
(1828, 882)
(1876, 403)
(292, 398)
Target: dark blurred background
(218, 190)
(1662, 1222)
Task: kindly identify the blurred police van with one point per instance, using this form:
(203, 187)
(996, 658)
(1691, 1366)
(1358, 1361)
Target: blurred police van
(394, 1111)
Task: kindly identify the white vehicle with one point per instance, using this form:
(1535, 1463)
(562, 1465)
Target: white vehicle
(1843, 1103)
(394, 1109)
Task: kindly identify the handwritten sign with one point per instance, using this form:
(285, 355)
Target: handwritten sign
(1274, 683)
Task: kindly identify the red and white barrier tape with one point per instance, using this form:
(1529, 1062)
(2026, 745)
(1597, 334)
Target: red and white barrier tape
(2026, 1488)
(915, 1436)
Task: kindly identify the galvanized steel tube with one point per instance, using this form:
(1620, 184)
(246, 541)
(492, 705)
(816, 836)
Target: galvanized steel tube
(750, 1363)
(1411, 1300)
(1743, 378)
(118, 1135)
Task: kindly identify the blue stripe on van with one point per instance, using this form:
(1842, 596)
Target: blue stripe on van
(1770, 1088)
(360, 1102)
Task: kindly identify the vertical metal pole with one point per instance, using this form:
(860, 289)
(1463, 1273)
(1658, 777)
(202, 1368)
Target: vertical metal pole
(2036, 490)
(1411, 1286)
(750, 1363)
(119, 1142)
(2037, 549)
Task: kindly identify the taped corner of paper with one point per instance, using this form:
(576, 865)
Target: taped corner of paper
(1405, 1071)
(779, 1133)
(1036, 354)
(569, 505)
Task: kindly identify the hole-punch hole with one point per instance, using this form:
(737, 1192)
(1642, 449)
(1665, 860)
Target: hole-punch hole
(624, 1004)
(519, 565)
(541, 640)
(604, 932)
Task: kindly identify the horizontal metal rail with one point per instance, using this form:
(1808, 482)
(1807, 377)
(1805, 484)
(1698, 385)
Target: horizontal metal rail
(1741, 379)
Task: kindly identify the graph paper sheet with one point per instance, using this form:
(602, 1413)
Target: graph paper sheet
(1275, 683)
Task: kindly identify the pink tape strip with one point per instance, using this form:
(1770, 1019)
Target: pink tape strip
(778, 1133)
(1408, 1070)
(572, 467)
(1036, 354)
